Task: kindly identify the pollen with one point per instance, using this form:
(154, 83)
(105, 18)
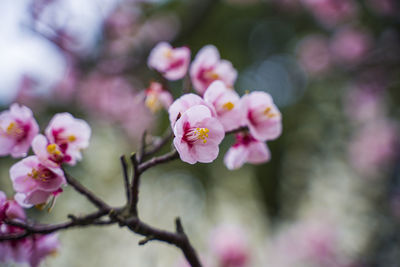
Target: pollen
(267, 112)
(52, 149)
(228, 105)
(71, 138)
(34, 174)
(14, 130)
(202, 134)
(153, 103)
(168, 53)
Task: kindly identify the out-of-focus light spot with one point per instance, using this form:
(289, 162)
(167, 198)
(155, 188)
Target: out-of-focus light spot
(279, 75)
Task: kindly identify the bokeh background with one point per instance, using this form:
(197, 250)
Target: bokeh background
(330, 196)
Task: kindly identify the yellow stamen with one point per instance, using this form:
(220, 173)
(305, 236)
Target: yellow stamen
(268, 113)
(10, 128)
(202, 134)
(34, 174)
(228, 105)
(52, 149)
(168, 53)
(72, 138)
(40, 206)
(152, 103)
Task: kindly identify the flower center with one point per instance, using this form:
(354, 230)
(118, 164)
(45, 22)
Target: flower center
(211, 75)
(152, 102)
(198, 134)
(228, 105)
(168, 53)
(15, 130)
(268, 113)
(52, 149)
(41, 174)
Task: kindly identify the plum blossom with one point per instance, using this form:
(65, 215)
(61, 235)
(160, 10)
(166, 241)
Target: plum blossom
(172, 63)
(29, 250)
(198, 135)
(314, 54)
(17, 130)
(50, 154)
(374, 146)
(208, 67)
(246, 149)
(67, 135)
(229, 245)
(350, 45)
(183, 103)
(34, 182)
(261, 116)
(226, 104)
(157, 97)
(332, 12)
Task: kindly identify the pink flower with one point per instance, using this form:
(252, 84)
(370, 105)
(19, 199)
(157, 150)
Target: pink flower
(350, 45)
(197, 135)
(226, 104)
(50, 154)
(34, 182)
(229, 244)
(17, 130)
(208, 67)
(332, 12)
(157, 97)
(70, 135)
(31, 250)
(246, 149)
(183, 103)
(41, 247)
(374, 146)
(314, 54)
(261, 116)
(173, 63)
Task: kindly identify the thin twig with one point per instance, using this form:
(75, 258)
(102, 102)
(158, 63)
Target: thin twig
(126, 178)
(86, 192)
(160, 143)
(135, 185)
(158, 160)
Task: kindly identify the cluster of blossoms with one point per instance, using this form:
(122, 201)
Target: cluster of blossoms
(200, 121)
(38, 179)
(31, 250)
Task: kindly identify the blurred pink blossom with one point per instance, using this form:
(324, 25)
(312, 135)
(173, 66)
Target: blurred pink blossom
(364, 104)
(226, 103)
(198, 135)
(208, 67)
(350, 45)
(246, 149)
(307, 243)
(171, 62)
(374, 146)
(30, 250)
(314, 54)
(332, 12)
(261, 116)
(18, 127)
(230, 246)
(112, 98)
(157, 97)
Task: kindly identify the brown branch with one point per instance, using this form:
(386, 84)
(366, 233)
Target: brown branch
(31, 229)
(158, 144)
(158, 160)
(126, 178)
(135, 186)
(86, 192)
